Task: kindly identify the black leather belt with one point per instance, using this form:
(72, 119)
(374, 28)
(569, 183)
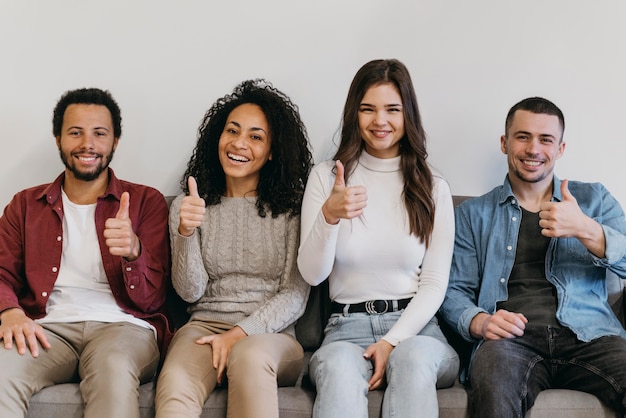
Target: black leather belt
(371, 306)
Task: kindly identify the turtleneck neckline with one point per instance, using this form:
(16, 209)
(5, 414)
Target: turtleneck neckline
(384, 165)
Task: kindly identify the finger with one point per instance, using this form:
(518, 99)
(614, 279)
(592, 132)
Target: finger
(221, 368)
(122, 212)
(34, 346)
(42, 337)
(193, 187)
(376, 378)
(20, 343)
(375, 385)
(339, 174)
(565, 193)
(522, 318)
(205, 340)
(8, 339)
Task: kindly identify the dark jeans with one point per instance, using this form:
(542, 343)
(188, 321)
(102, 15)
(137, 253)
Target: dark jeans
(507, 375)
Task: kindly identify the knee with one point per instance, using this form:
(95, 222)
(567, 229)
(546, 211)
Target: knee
(422, 353)
(339, 359)
(247, 359)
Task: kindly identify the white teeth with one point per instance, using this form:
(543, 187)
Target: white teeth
(532, 163)
(237, 158)
(86, 159)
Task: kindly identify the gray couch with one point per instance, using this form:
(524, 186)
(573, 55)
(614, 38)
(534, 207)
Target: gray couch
(64, 401)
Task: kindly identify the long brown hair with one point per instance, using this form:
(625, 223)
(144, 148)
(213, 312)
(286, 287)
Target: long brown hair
(418, 178)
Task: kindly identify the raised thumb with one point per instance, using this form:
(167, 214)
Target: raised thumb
(339, 174)
(565, 193)
(122, 212)
(193, 187)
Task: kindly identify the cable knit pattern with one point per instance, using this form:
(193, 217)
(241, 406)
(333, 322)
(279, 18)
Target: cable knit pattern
(240, 268)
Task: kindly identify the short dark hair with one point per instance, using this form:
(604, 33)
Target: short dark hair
(87, 96)
(535, 105)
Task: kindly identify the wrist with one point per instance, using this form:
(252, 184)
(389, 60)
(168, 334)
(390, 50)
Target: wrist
(329, 220)
(477, 325)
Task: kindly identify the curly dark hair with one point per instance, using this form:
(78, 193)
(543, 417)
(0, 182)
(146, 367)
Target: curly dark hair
(283, 178)
(418, 178)
(87, 96)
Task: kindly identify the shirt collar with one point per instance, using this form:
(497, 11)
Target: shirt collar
(53, 192)
(506, 193)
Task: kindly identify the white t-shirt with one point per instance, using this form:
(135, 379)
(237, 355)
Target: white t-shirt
(82, 292)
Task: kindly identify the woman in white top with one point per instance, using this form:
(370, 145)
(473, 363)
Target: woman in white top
(379, 224)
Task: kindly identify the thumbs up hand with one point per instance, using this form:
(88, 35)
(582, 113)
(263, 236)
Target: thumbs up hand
(565, 219)
(344, 202)
(562, 219)
(119, 234)
(192, 210)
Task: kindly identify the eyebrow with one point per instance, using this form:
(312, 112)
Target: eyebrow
(387, 105)
(254, 128)
(528, 133)
(82, 128)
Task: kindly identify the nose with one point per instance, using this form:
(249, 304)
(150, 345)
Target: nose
(88, 141)
(379, 118)
(532, 147)
(240, 141)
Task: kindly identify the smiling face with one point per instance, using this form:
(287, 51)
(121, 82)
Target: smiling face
(87, 142)
(244, 148)
(381, 120)
(532, 143)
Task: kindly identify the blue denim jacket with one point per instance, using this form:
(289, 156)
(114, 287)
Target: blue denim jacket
(484, 252)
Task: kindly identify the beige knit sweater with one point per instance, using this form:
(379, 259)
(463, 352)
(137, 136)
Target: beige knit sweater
(240, 268)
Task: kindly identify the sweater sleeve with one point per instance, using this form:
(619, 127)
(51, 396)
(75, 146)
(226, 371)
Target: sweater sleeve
(288, 304)
(316, 255)
(435, 270)
(189, 277)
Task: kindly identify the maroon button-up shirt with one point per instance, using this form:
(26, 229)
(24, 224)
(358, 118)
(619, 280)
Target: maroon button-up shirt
(31, 242)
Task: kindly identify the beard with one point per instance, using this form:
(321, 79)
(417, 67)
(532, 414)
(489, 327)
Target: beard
(522, 176)
(105, 160)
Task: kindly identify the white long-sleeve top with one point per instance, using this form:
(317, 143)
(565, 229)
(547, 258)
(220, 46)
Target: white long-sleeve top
(374, 256)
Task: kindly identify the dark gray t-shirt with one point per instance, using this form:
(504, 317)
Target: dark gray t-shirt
(529, 291)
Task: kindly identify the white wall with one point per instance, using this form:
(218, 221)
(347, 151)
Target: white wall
(167, 61)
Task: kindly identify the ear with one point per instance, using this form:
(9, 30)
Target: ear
(561, 149)
(503, 144)
(58, 141)
(115, 141)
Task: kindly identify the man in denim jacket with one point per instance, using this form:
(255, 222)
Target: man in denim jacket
(528, 277)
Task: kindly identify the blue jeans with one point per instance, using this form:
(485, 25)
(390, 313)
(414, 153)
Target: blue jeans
(416, 367)
(507, 375)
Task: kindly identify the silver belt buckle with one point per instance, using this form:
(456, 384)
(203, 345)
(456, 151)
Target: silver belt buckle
(370, 307)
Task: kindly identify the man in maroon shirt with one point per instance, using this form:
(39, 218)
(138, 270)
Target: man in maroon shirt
(84, 269)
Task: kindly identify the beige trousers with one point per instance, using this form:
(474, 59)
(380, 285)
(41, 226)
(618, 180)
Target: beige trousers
(257, 365)
(109, 360)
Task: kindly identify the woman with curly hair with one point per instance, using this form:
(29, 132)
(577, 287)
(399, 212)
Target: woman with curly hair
(234, 235)
(378, 222)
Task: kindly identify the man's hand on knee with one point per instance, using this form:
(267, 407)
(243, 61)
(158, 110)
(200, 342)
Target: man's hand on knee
(15, 325)
(502, 324)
